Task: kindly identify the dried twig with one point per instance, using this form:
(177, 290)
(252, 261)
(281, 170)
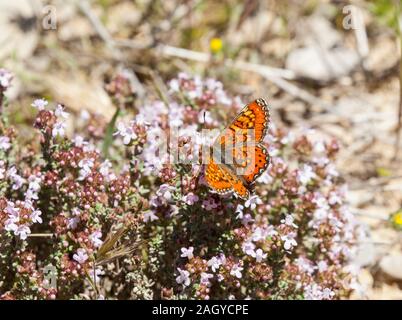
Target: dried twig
(359, 28)
(366, 215)
(104, 34)
(41, 235)
(97, 24)
(277, 76)
(167, 50)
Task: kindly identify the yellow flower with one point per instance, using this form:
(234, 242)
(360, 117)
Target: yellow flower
(383, 172)
(215, 45)
(397, 219)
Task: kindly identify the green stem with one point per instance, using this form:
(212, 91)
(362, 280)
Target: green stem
(107, 141)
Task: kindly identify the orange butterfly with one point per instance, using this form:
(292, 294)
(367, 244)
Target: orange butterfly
(243, 159)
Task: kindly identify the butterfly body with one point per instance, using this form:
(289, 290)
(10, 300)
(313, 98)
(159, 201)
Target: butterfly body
(244, 158)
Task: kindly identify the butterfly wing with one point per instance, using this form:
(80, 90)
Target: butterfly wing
(242, 163)
(255, 117)
(218, 178)
(257, 167)
(221, 180)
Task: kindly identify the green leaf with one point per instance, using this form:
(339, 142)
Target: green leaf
(107, 141)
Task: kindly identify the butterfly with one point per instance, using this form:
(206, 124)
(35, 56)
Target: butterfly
(237, 157)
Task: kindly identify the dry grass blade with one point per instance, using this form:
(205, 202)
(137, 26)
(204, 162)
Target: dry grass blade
(108, 251)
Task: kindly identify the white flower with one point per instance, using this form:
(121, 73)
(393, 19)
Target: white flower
(10, 225)
(214, 263)
(22, 231)
(36, 216)
(247, 219)
(289, 241)
(86, 168)
(239, 211)
(174, 85)
(79, 141)
(98, 272)
(141, 120)
(261, 234)
(321, 161)
(104, 168)
(59, 129)
(34, 183)
(322, 210)
(270, 231)
(60, 112)
(13, 217)
(30, 194)
(252, 202)
(86, 163)
(315, 292)
(183, 277)
(11, 210)
(28, 205)
(205, 278)
(76, 212)
(127, 133)
(95, 238)
(176, 115)
(5, 143)
(334, 199)
(306, 174)
(289, 221)
(165, 191)
(150, 216)
(18, 181)
(190, 198)
(327, 294)
(312, 292)
(248, 248)
(331, 170)
(259, 255)
(5, 78)
(187, 253)
(236, 271)
(305, 265)
(72, 223)
(322, 266)
(39, 104)
(319, 147)
(81, 256)
(265, 178)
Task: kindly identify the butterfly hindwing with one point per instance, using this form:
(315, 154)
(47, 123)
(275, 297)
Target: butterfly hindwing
(258, 166)
(218, 178)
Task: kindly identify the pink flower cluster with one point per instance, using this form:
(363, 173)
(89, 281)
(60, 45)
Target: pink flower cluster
(116, 218)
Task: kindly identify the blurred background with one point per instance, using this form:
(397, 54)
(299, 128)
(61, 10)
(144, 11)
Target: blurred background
(328, 66)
